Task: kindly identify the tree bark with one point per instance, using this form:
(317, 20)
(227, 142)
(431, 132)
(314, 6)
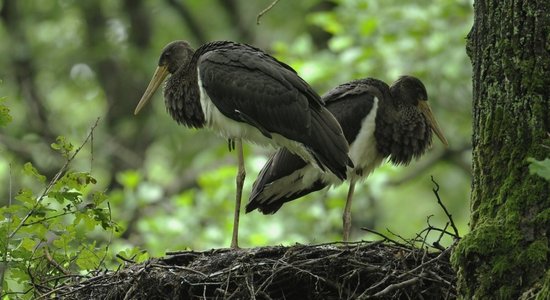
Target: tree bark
(506, 255)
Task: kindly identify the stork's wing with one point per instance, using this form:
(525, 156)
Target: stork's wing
(250, 86)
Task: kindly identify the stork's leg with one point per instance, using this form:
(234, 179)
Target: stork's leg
(346, 218)
(241, 174)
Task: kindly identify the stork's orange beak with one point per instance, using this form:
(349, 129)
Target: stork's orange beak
(160, 74)
(427, 111)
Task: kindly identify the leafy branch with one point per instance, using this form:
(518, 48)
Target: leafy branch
(55, 179)
(42, 237)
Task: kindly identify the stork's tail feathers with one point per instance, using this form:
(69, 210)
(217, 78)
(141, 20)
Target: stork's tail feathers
(285, 177)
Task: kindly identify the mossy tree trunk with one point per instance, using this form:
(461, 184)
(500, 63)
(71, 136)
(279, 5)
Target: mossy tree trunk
(506, 255)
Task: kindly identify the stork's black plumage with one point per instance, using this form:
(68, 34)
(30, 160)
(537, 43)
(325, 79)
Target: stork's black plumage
(243, 93)
(378, 122)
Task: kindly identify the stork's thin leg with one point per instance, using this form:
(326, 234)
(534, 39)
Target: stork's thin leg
(240, 181)
(346, 218)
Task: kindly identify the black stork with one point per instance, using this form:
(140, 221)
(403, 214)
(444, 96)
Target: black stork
(378, 121)
(242, 92)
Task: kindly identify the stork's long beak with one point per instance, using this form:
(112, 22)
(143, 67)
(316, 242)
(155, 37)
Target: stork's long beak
(160, 73)
(427, 111)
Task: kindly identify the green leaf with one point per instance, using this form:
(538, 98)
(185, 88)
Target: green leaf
(540, 167)
(26, 196)
(62, 146)
(5, 116)
(98, 198)
(30, 170)
(328, 21)
(70, 195)
(102, 216)
(88, 258)
(28, 244)
(368, 26)
(129, 179)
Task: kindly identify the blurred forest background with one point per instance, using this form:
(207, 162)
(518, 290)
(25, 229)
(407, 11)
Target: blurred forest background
(64, 63)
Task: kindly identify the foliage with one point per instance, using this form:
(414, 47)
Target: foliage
(47, 234)
(5, 116)
(172, 188)
(540, 167)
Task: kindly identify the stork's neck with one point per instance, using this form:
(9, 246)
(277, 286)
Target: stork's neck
(182, 96)
(402, 133)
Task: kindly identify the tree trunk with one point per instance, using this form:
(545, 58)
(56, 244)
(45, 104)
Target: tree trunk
(506, 255)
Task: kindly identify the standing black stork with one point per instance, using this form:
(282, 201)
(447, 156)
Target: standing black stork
(378, 121)
(243, 93)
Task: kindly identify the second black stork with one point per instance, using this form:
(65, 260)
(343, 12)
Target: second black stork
(378, 121)
(243, 93)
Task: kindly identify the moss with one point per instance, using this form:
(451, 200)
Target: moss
(536, 253)
(543, 218)
(544, 291)
(492, 250)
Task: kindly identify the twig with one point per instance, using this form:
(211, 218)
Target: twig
(53, 181)
(263, 12)
(110, 237)
(425, 238)
(128, 260)
(427, 262)
(380, 235)
(395, 286)
(179, 268)
(436, 244)
(92, 150)
(54, 263)
(440, 230)
(436, 193)
(407, 242)
(50, 218)
(60, 277)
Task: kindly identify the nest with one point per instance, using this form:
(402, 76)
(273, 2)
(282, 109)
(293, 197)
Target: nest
(358, 270)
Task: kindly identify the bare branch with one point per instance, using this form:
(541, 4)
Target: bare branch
(449, 216)
(263, 12)
(54, 263)
(396, 286)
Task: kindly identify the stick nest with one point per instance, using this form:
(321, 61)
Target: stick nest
(373, 270)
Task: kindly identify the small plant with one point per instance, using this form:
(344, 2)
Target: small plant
(45, 236)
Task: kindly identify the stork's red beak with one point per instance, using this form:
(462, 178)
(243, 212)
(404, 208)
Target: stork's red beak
(427, 111)
(160, 74)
